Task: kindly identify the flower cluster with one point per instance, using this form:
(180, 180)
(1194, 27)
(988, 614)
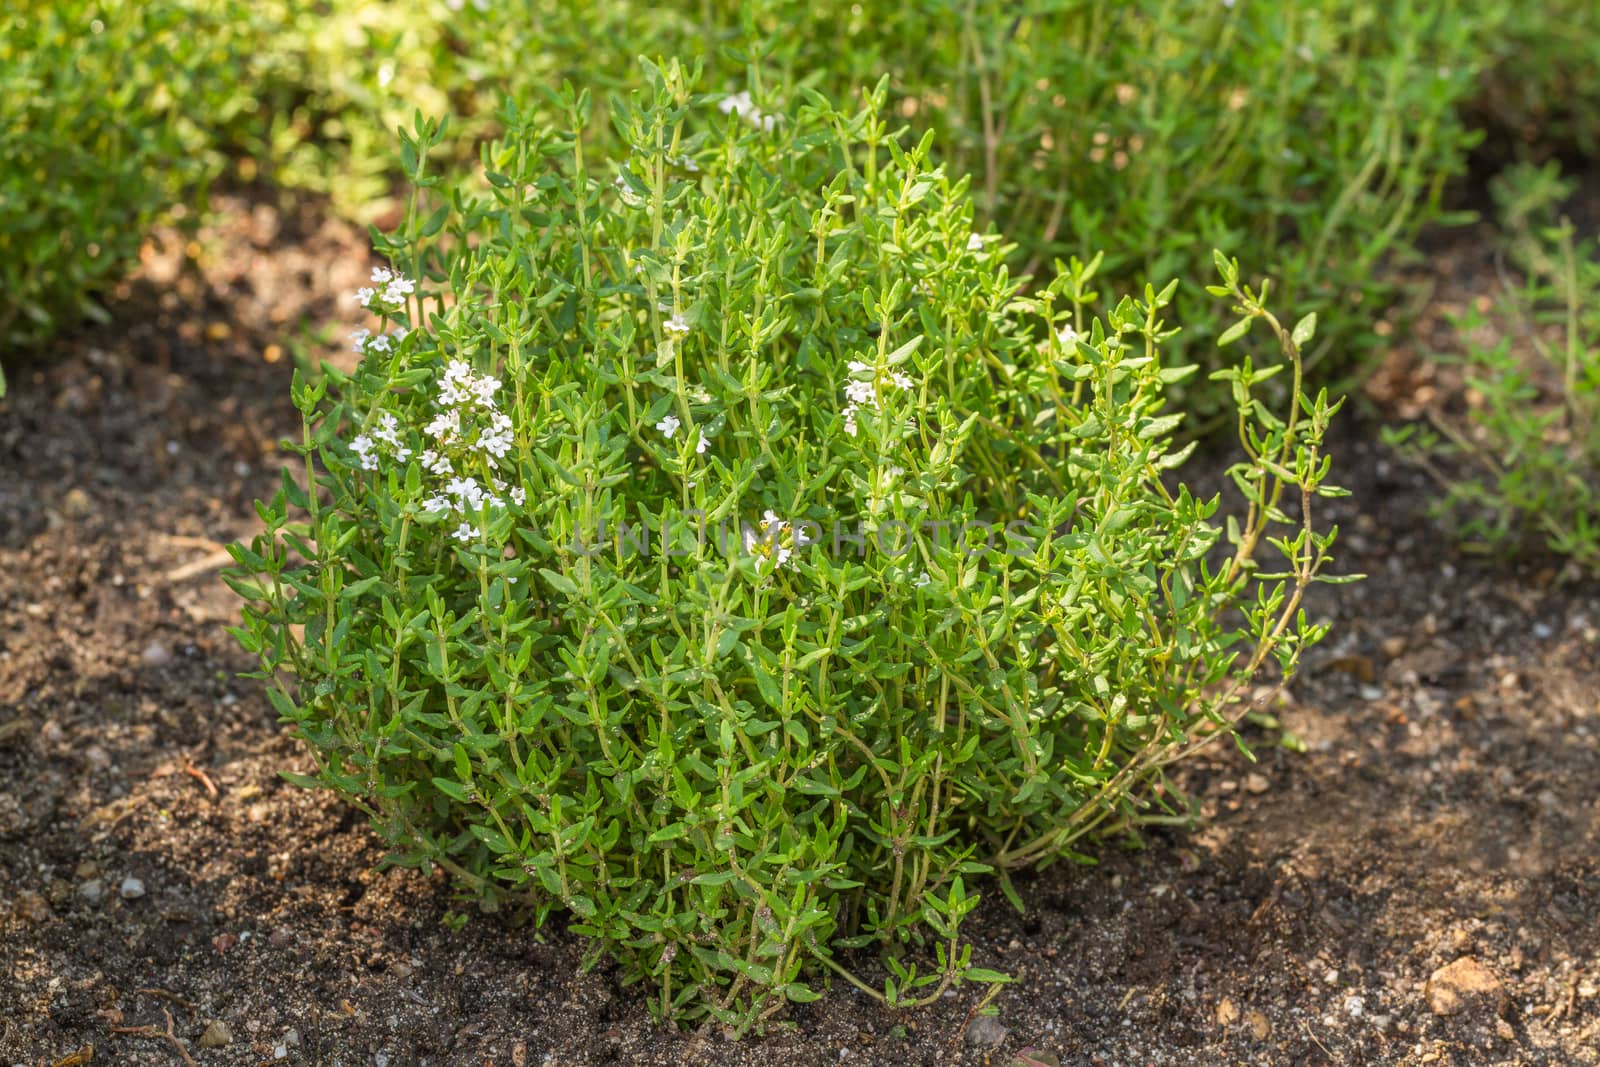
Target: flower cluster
(772, 544)
(469, 430)
(364, 341)
(740, 104)
(624, 190)
(670, 424)
(865, 388)
(387, 435)
(388, 292)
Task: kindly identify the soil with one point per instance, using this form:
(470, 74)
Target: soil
(156, 876)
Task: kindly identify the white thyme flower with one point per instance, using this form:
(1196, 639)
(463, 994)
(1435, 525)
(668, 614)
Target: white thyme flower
(459, 384)
(495, 444)
(467, 532)
(974, 243)
(703, 444)
(1067, 335)
(677, 324)
(519, 496)
(435, 463)
(364, 447)
(740, 104)
(358, 341)
(624, 190)
(922, 580)
(465, 490)
(484, 388)
(668, 426)
(864, 389)
(388, 291)
(461, 387)
(436, 504)
(861, 392)
(772, 543)
(496, 440)
(445, 426)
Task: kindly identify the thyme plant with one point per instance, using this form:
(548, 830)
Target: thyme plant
(717, 547)
(1519, 466)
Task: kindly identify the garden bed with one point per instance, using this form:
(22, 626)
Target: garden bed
(152, 864)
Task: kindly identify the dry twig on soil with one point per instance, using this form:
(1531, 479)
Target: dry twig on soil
(169, 1035)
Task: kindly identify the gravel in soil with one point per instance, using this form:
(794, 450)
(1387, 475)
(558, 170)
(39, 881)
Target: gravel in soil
(1421, 885)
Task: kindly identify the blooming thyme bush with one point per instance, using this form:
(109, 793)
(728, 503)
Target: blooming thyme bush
(717, 546)
(1522, 463)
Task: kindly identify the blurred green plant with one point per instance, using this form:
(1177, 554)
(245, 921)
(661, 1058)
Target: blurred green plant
(715, 543)
(95, 142)
(1523, 462)
(1541, 87)
(309, 95)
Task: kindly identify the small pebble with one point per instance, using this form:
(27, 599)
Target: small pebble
(131, 888)
(76, 503)
(156, 654)
(93, 892)
(986, 1031)
(216, 1034)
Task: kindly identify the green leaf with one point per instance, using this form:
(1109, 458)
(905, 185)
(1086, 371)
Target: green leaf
(1305, 330)
(559, 582)
(1234, 332)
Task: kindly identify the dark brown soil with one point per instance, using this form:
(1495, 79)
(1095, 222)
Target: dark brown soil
(1447, 806)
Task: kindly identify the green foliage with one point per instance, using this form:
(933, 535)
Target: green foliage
(1543, 84)
(717, 545)
(94, 144)
(1524, 460)
(310, 95)
(1311, 138)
